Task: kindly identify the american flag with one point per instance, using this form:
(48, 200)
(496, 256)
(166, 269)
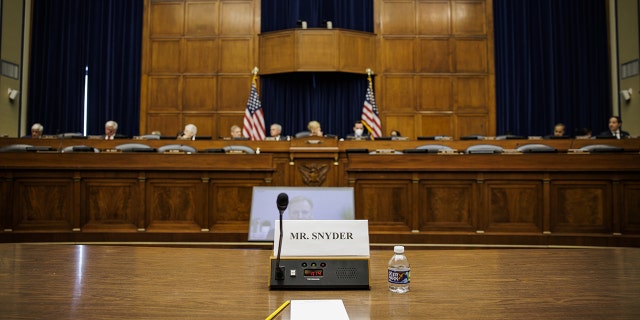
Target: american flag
(253, 116)
(370, 117)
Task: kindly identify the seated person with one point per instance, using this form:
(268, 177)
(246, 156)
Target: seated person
(36, 131)
(583, 133)
(558, 132)
(189, 132)
(236, 133)
(395, 133)
(615, 130)
(358, 132)
(275, 132)
(315, 129)
(111, 131)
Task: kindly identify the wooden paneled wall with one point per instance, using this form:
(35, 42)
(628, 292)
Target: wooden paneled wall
(434, 65)
(197, 60)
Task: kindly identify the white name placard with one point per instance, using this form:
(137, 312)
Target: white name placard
(322, 238)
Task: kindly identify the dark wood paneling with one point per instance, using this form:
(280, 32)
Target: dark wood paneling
(175, 204)
(630, 206)
(513, 206)
(111, 204)
(218, 40)
(385, 203)
(562, 198)
(448, 205)
(581, 206)
(43, 204)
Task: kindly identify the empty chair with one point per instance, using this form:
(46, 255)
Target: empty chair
(177, 147)
(433, 148)
(150, 137)
(536, 148)
(234, 149)
(135, 147)
(80, 148)
(303, 134)
(510, 137)
(600, 148)
(483, 149)
(16, 148)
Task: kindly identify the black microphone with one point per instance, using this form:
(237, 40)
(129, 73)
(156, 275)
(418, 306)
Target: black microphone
(282, 202)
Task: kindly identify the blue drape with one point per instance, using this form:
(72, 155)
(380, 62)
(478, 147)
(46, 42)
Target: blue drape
(333, 99)
(114, 57)
(285, 14)
(68, 37)
(552, 65)
(57, 67)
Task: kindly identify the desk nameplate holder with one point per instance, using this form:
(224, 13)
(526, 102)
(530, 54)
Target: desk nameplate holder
(319, 260)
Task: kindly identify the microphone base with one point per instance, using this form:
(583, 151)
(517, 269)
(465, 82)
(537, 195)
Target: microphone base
(321, 273)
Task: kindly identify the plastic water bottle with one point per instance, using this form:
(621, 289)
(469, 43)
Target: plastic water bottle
(399, 271)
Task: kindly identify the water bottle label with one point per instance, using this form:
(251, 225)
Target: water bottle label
(399, 277)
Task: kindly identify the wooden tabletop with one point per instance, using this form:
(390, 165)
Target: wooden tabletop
(60, 281)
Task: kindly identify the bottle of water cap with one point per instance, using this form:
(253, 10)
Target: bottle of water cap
(399, 271)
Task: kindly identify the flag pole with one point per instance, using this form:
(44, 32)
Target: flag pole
(255, 74)
(366, 125)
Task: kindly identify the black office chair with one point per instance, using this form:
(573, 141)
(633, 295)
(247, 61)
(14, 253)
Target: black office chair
(239, 149)
(135, 147)
(601, 148)
(536, 148)
(484, 149)
(80, 148)
(303, 134)
(16, 148)
(150, 137)
(433, 148)
(177, 147)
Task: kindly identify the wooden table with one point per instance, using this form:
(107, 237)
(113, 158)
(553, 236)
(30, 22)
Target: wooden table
(64, 281)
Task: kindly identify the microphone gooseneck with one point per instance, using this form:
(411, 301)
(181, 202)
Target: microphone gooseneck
(282, 202)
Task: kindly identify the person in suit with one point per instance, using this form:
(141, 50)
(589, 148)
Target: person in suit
(358, 132)
(275, 132)
(559, 131)
(111, 131)
(36, 131)
(615, 129)
(189, 132)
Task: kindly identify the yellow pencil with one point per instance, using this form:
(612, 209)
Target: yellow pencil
(280, 308)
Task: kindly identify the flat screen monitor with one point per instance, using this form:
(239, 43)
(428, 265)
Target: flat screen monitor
(310, 203)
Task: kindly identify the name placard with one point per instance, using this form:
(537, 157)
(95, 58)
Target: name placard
(322, 238)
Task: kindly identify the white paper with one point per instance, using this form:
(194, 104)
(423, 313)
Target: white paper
(318, 309)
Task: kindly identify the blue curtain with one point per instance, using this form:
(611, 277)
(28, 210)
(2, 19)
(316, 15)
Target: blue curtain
(57, 67)
(71, 36)
(114, 57)
(294, 99)
(552, 65)
(285, 14)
